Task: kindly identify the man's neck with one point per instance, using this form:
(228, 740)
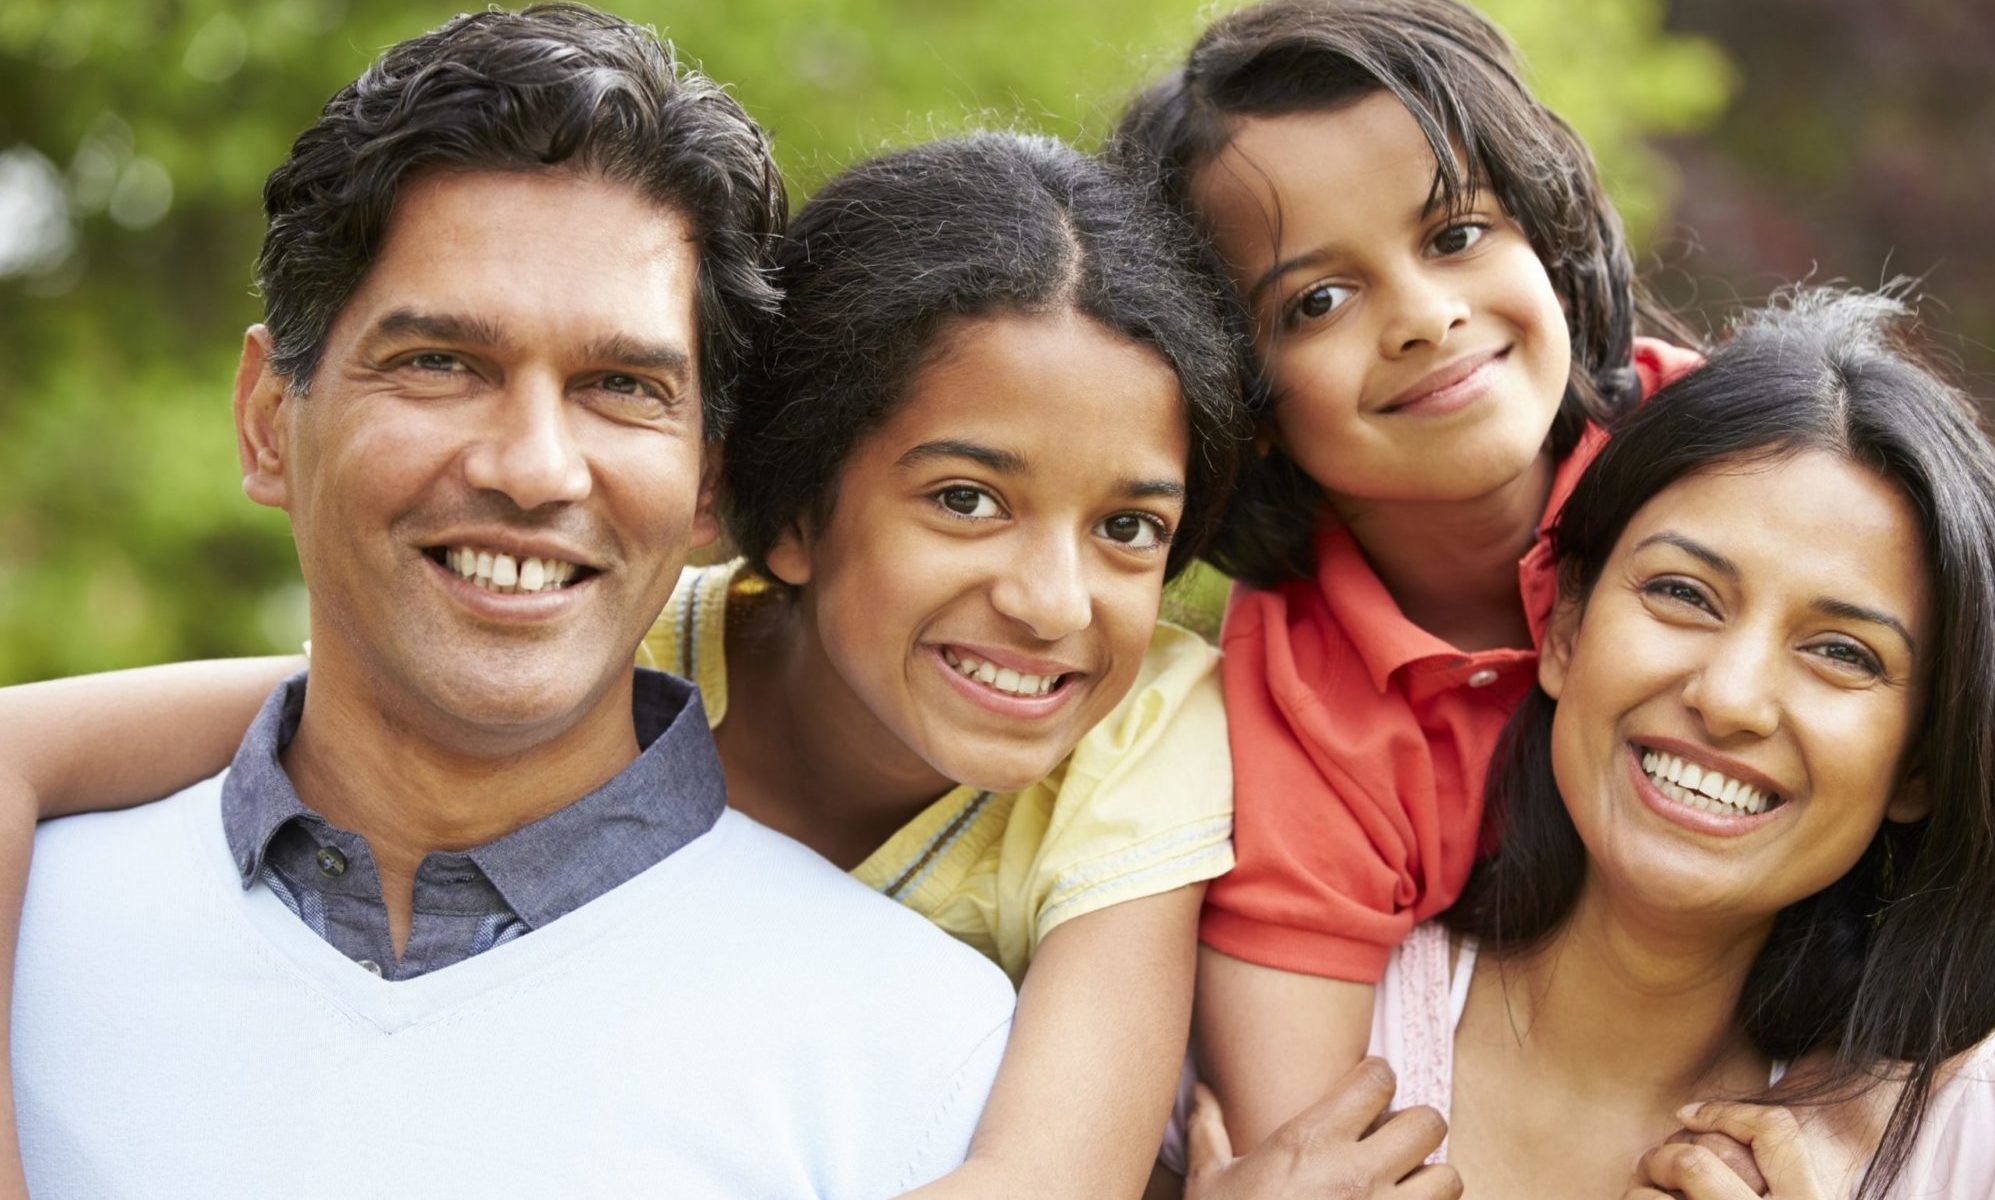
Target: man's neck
(1452, 566)
(411, 785)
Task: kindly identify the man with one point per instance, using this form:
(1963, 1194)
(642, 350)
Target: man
(468, 915)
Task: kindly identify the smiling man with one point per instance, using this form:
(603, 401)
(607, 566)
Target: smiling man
(468, 915)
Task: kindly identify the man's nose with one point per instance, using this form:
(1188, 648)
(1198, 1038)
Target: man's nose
(529, 451)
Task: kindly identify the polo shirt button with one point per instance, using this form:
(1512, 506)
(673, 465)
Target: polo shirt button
(370, 966)
(1483, 678)
(331, 861)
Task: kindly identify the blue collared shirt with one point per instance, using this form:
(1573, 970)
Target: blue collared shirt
(468, 902)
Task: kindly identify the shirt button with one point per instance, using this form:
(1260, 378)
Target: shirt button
(1483, 678)
(370, 966)
(331, 861)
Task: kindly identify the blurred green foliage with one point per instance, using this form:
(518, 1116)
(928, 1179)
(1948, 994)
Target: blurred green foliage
(124, 538)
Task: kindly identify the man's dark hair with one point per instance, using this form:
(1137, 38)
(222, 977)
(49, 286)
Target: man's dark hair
(890, 256)
(555, 85)
(1889, 964)
(1457, 75)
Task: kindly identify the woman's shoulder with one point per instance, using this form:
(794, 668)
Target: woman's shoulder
(1954, 1154)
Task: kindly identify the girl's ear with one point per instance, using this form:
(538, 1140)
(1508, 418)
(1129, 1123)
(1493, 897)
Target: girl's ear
(1910, 801)
(789, 558)
(1556, 653)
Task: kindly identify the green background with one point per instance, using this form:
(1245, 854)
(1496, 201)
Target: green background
(124, 537)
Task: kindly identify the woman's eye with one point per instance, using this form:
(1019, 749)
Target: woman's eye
(1320, 301)
(1678, 591)
(967, 502)
(1136, 531)
(1459, 237)
(1852, 655)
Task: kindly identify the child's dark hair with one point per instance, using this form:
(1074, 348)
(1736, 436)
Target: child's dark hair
(1458, 77)
(1889, 964)
(894, 250)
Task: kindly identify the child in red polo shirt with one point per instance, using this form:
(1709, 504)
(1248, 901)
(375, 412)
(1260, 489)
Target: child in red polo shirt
(1443, 310)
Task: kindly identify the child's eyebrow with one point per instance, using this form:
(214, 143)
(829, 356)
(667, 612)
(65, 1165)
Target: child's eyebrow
(1004, 462)
(1273, 275)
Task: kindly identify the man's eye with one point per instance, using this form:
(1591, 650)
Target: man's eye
(1137, 531)
(967, 502)
(1457, 238)
(1320, 301)
(625, 385)
(445, 363)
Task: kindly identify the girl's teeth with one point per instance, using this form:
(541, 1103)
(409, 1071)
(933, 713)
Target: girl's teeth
(1003, 679)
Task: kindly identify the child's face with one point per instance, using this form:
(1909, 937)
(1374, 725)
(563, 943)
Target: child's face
(988, 578)
(1781, 650)
(1415, 356)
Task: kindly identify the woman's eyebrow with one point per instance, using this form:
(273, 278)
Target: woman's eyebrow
(1004, 462)
(1844, 610)
(1695, 549)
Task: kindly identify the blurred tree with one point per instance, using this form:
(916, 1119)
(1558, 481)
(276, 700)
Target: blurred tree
(135, 134)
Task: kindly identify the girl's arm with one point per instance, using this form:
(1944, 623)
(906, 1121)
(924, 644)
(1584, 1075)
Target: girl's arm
(99, 742)
(1096, 1048)
(1272, 1042)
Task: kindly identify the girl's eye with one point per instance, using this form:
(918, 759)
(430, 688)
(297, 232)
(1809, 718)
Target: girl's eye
(1852, 655)
(1137, 531)
(1678, 591)
(967, 502)
(1459, 237)
(1319, 302)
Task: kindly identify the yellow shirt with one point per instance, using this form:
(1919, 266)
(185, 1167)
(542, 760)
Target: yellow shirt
(1144, 804)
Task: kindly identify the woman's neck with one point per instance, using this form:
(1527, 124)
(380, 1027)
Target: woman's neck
(803, 754)
(1452, 566)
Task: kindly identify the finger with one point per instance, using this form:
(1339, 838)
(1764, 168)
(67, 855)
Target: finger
(1691, 1170)
(1730, 1151)
(1207, 1146)
(1771, 1131)
(1436, 1181)
(1646, 1193)
(1356, 1099)
(1402, 1143)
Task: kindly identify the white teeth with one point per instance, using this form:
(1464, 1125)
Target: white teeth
(505, 573)
(1003, 679)
(1700, 787)
(532, 575)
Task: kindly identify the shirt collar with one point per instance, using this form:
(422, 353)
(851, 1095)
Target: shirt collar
(671, 793)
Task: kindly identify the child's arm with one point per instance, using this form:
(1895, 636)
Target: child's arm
(1271, 1042)
(1096, 1049)
(99, 742)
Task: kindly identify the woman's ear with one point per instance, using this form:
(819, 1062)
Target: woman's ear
(789, 558)
(1910, 801)
(1556, 653)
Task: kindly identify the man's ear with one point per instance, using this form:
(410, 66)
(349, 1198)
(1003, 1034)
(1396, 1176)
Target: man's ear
(706, 509)
(1556, 653)
(260, 396)
(789, 558)
(1910, 801)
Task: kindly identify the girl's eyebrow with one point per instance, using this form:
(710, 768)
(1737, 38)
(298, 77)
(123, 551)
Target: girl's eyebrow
(1004, 462)
(1826, 605)
(1309, 258)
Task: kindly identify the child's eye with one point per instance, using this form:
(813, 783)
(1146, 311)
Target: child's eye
(1319, 301)
(973, 503)
(1137, 531)
(1458, 237)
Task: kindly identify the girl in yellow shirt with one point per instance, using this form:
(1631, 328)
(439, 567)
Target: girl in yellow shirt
(998, 413)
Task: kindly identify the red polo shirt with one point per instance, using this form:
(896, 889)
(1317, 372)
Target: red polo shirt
(1360, 744)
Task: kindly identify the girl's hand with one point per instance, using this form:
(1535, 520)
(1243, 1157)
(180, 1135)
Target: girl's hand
(1345, 1145)
(1693, 1172)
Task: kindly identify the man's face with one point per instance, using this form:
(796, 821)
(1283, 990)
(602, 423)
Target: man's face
(498, 471)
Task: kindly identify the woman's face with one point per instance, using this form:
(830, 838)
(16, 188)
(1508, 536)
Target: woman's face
(1416, 355)
(1761, 632)
(988, 578)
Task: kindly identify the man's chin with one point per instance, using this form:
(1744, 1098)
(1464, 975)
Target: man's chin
(501, 708)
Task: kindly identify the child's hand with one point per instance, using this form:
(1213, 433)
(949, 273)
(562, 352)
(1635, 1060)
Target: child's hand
(1730, 1151)
(1344, 1145)
(1695, 1172)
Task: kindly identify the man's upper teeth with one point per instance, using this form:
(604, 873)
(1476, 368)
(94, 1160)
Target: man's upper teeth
(1004, 679)
(504, 573)
(1701, 787)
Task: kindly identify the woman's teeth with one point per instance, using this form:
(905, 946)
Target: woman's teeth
(504, 573)
(1003, 679)
(1701, 787)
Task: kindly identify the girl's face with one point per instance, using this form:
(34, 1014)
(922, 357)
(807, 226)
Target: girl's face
(988, 578)
(1760, 633)
(1415, 355)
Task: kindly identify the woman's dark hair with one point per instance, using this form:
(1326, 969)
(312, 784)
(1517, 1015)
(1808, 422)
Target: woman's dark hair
(1458, 77)
(890, 254)
(553, 86)
(1891, 963)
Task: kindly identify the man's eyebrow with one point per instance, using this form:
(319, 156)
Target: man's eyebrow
(1825, 605)
(625, 351)
(1004, 462)
(443, 327)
